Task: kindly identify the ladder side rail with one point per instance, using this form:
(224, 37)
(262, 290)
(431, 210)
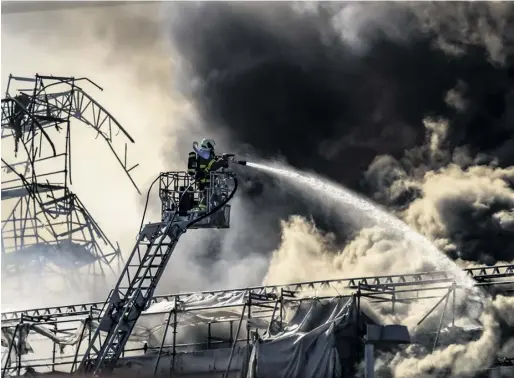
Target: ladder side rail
(116, 320)
(177, 230)
(118, 338)
(112, 301)
(135, 256)
(148, 259)
(114, 334)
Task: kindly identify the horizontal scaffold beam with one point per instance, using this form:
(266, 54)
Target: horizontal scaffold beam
(480, 274)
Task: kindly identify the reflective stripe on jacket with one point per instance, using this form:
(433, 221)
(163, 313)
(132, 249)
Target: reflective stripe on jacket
(192, 163)
(204, 167)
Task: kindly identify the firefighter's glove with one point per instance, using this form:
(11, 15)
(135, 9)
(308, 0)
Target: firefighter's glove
(224, 162)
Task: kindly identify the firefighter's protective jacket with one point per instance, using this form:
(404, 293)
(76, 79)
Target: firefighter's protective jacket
(200, 165)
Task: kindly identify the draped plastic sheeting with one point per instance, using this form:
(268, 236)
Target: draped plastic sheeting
(22, 347)
(195, 309)
(149, 328)
(202, 300)
(307, 348)
(312, 345)
(213, 362)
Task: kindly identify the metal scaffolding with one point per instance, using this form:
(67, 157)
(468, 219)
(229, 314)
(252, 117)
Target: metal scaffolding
(496, 276)
(236, 328)
(45, 226)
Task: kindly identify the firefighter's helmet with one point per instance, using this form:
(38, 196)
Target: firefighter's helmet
(208, 143)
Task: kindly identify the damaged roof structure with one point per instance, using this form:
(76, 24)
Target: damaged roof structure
(311, 329)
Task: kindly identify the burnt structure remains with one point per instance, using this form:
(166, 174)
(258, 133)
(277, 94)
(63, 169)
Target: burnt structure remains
(46, 228)
(240, 332)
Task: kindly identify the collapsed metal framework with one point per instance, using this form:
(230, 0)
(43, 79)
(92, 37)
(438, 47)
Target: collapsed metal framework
(48, 227)
(267, 302)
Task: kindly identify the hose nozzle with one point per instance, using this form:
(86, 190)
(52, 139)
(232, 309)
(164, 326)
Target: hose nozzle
(228, 156)
(232, 159)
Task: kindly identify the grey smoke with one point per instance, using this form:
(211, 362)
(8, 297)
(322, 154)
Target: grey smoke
(124, 50)
(411, 104)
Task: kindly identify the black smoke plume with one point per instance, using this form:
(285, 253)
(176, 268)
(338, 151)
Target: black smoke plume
(331, 87)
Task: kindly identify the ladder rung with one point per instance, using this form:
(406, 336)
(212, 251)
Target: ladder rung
(145, 266)
(146, 258)
(149, 258)
(128, 288)
(147, 277)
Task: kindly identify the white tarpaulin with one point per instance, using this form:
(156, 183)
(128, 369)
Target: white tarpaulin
(310, 346)
(194, 309)
(307, 348)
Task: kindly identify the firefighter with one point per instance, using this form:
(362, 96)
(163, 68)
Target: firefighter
(206, 162)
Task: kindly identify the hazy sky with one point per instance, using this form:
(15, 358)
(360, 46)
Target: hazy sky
(77, 43)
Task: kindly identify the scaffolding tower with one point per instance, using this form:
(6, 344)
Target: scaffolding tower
(45, 226)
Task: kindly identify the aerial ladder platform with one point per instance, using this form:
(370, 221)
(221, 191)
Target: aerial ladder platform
(180, 196)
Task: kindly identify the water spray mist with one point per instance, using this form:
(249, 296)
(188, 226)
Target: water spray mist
(376, 215)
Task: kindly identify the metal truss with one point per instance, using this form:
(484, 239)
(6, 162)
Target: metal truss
(495, 274)
(266, 302)
(48, 227)
(238, 333)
